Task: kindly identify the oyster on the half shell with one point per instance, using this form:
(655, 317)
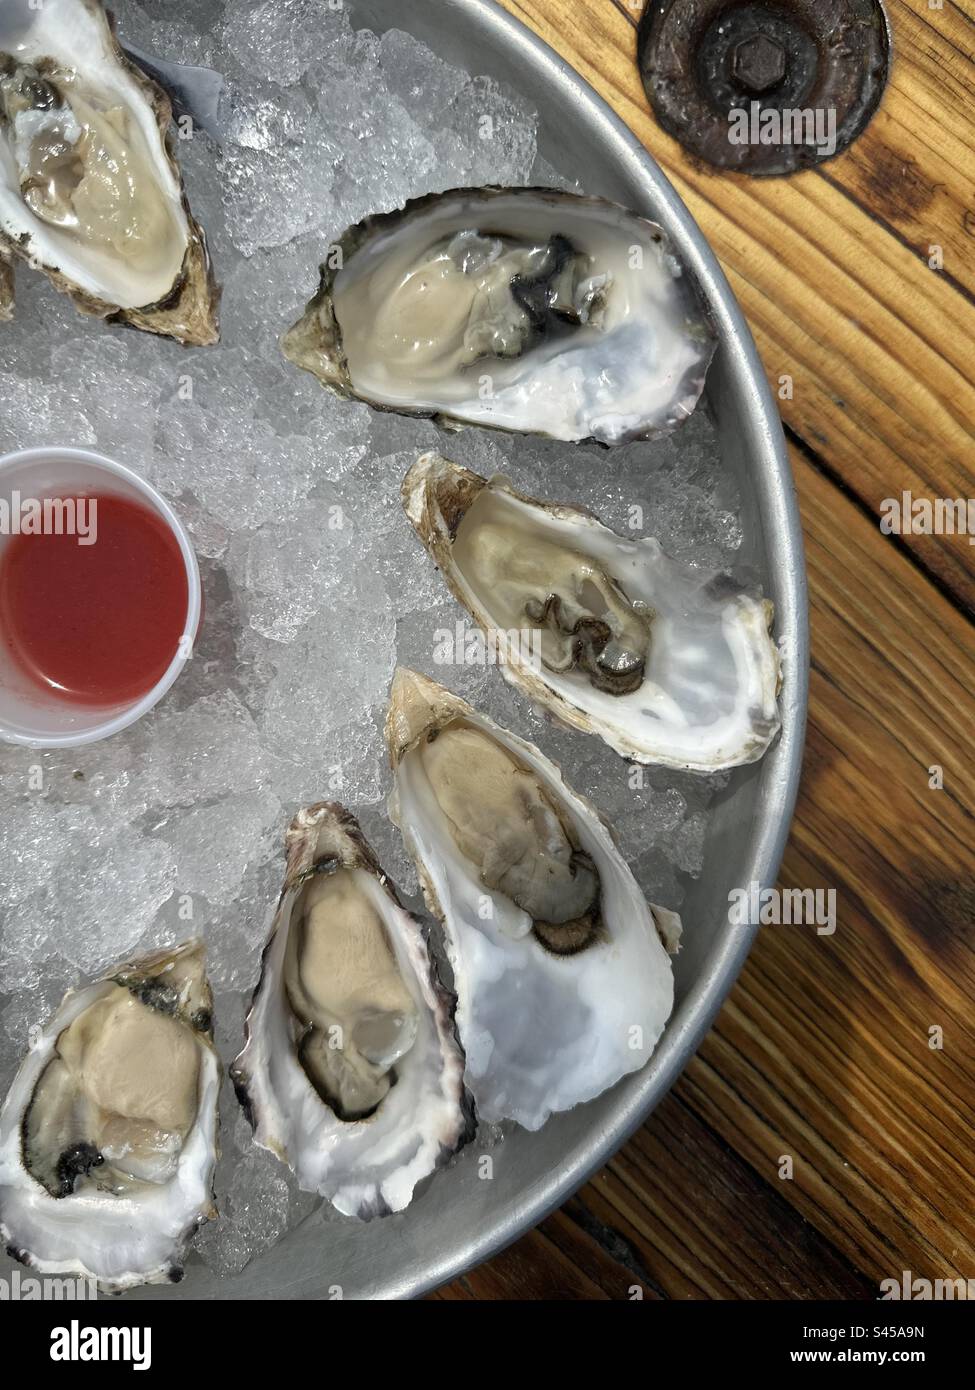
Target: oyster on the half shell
(524, 309)
(666, 662)
(108, 1137)
(351, 1072)
(561, 969)
(90, 192)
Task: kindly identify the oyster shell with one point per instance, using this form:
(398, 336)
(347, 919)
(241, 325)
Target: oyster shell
(525, 309)
(563, 979)
(108, 1137)
(666, 662)
(6, 289)
(90, 192)
(351, 1072)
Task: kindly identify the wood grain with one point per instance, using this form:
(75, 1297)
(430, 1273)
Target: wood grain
(823, 1052)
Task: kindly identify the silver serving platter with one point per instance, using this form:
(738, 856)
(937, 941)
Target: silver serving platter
(463, 1218)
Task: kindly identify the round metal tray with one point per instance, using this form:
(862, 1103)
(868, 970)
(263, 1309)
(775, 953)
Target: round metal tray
(463, 1217)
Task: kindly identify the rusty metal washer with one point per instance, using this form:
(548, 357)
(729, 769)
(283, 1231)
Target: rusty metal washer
(703, 60)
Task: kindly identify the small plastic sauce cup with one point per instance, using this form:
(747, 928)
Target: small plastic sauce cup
(28, 715)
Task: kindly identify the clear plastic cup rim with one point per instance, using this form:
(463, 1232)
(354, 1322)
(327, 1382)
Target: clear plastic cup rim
(119, 719)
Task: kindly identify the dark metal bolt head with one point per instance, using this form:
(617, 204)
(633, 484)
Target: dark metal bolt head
(816, 70)
(758, 63)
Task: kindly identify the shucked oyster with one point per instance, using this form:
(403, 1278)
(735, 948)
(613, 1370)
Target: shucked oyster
(89, 190)
(351, 1072)
(667, 663)
(108, 1138)
(562, 977)
(525, 309)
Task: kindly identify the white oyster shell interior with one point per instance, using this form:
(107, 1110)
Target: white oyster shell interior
(87, 189)
(351, 1072)
(552, 1012)
(108, 1134)
(687, 674)
(527, 310)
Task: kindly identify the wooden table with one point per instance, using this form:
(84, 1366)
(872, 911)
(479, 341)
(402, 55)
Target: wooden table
(824, 1051)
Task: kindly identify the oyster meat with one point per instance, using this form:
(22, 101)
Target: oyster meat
(108, 1137)
(525, 309)
(351, 1072)
(561, 969)
(666, 662)
(90, 192)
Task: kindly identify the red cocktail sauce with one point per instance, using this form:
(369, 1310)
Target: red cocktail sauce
(96, 624)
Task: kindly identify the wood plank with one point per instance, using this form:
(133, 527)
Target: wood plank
(699, 1187)
(554, 1262)
(879, 346)
(822, 1051)
(826, 1039)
